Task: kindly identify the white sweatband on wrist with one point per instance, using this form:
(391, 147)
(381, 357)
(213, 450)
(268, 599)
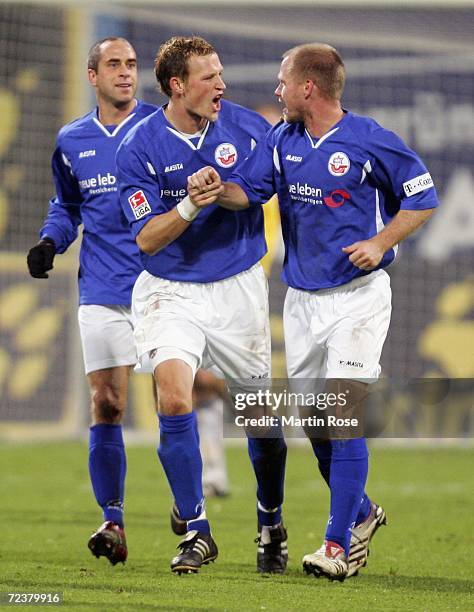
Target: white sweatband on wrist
(187, 210)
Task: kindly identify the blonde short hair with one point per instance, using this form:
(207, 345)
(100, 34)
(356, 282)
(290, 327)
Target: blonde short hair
(321, 64)
(172, 58)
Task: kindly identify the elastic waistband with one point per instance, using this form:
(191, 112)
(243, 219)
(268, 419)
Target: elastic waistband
(301, 294)
(147, 275)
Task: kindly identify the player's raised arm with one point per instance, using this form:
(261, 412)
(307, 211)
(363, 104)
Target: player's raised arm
(205, 187)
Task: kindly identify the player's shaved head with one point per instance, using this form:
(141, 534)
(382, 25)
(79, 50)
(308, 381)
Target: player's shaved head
(95, 52)
(172, 58)
(321, 64)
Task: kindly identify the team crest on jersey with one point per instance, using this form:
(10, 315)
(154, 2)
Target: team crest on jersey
(139, 204)
(225, 155)
(339, 164)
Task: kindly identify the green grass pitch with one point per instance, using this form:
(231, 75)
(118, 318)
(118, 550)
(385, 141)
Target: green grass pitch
(423, 560)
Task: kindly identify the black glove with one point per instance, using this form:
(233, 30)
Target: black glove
(40, 258)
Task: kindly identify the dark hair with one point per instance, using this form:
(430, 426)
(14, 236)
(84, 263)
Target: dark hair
(95, 52)
(321, 64)
(172, 58)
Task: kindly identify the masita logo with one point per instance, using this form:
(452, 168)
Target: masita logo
(225, 155)
(351, 363)
(89, 153)
(339, 164)
(173, 167)
(294, 158)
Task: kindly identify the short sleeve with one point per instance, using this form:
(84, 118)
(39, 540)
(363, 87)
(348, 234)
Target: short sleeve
(399, 170)
(257, 174)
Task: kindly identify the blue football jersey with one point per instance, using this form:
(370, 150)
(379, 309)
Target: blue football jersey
(334, 191)
(153, 164)
(86, 192)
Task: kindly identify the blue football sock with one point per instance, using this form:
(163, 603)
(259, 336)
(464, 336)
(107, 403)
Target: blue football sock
(196, 429)
(181, 459)
(323, 451)
(349, 467)
(364, 509)
(268, 457)
(107, 469)
(200, 523)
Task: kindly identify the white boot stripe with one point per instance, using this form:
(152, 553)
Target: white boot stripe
(202, 548)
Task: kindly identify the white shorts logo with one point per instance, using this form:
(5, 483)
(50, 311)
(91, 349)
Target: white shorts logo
(419, 183)
(339, 164)
(139, 204)
(225, 155)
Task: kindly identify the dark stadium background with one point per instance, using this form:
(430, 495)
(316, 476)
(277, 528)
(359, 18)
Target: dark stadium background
(412, 68)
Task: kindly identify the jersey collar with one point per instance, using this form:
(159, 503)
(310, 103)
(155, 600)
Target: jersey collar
(184, 137)
(316, 145)
(119, 126)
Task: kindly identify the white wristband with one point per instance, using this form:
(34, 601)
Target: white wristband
(187, 210)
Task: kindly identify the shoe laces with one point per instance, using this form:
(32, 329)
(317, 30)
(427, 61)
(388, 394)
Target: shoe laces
(355, 536)
(356, 527)
(190, 540)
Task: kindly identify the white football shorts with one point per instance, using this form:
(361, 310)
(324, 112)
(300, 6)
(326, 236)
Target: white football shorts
(223, 324)
(107, 336)
(338, 332)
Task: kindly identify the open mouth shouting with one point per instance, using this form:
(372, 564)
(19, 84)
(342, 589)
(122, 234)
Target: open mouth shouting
(216, 103)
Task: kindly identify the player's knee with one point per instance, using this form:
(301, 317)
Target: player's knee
(321, 446)
(106, 406)
(265, 447)
(174, 403)
(316, 435)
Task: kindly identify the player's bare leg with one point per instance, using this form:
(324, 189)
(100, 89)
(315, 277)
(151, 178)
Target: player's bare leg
(181, 459)
(174, 379)
(109, 390)
(107, 461)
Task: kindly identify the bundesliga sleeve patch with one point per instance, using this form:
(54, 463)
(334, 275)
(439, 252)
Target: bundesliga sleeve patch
(419, 183)
(139, 204)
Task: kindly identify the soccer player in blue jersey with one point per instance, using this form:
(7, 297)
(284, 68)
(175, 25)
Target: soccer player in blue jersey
(86, 192)
(202, 298)
(349, 192)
